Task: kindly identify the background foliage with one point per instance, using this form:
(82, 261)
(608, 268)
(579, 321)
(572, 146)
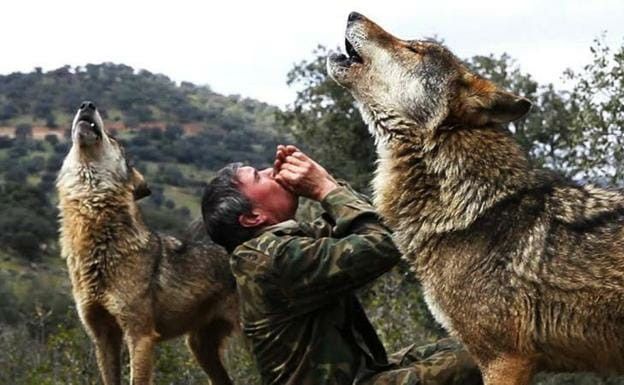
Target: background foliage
(179, 134)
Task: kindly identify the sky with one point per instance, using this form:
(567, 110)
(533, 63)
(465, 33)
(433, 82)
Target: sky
(247, 47)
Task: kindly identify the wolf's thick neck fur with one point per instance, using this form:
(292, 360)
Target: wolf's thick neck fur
(99, 218)
(451, 174)
(447, 170)
(456, 175)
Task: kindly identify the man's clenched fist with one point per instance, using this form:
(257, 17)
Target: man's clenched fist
(300, 174)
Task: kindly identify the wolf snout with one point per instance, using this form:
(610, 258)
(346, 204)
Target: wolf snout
(87, 129)
(354, 16)
(87, 106)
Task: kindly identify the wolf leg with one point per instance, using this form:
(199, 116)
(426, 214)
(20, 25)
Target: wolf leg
(106, 335)
(509, 371)
(206, 344)
(141, 347)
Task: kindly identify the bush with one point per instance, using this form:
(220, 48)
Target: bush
(23, 131)
(27, 221)
(5, 141)
(52, 139)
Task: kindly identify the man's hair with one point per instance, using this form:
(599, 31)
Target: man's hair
(222, 204)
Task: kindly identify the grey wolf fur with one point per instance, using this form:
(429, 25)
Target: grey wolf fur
(526, 268)
(129, 282)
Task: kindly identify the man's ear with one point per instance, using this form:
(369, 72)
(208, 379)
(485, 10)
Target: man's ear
(483, 103)
(139, 187)
(253, 219)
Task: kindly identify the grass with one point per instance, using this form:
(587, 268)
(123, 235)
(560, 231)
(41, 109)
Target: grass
(33, 180)
(9, 263)
(61, 119)
(195, 173)
(190, 171)
(31, 154)
(114, 114)
(183, 198)
(53, 263)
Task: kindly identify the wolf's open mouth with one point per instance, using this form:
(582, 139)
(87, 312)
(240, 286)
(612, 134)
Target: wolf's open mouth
(87, 122)
(354, 57)
(344, 60)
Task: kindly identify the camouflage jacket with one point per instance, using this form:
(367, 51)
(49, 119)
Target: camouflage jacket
(296, 282)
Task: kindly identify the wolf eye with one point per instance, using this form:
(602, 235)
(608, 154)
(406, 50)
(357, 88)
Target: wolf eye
(413, 49)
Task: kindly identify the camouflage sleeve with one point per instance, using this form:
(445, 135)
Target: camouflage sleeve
(313, 270)
(345, 206)
(323, 226)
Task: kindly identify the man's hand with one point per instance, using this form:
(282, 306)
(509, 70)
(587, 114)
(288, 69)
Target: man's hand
(302, 175)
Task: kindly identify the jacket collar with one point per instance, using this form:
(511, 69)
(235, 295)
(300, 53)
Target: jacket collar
(287, 227)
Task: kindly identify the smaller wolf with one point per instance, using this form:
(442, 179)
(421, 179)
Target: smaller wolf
(129, 282)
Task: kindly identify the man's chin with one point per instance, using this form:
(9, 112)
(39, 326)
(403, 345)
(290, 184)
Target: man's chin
(293, 210)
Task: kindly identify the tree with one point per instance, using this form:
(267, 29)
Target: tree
(50, 121)
(52, 139)
(27, 220)
(5, 142)
(7, 111)
(23, 131)
(596, 150)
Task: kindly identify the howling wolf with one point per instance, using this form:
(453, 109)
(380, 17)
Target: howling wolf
(129, 282)
(526, 268)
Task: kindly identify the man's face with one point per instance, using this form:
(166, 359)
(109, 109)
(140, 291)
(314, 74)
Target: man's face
(268, 198)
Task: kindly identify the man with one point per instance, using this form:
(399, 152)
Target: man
(296, 281)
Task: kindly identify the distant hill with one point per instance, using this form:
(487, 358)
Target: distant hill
(176, 134)
(125, 95)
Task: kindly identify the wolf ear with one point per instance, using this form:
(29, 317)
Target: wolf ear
(140, 189)
(483, 103)
(505, 107)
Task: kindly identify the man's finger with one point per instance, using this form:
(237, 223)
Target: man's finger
(280, 154)
(280, 158)
(293, 169)
(284, 183)
(290, 149)
(301, 156)
(290, 159)
(281, 150)
(286, 178)
(277, 164)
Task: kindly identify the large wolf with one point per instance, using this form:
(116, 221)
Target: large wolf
(526, 268)
(129, 282)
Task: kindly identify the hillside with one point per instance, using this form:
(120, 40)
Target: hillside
(176, 133)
